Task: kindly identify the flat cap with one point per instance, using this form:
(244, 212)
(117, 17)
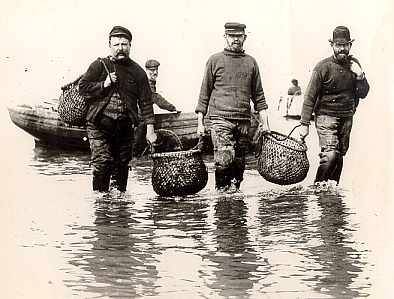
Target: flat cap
(121, 31)
(234, 28)
(151, 64)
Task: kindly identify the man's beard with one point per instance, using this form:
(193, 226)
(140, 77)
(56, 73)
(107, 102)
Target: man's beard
(235, 47)
(342, 55)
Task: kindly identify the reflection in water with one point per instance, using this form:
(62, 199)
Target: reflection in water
(340, 262)
(233, 256)
(117, 255)
(49, 161)
(296, 242)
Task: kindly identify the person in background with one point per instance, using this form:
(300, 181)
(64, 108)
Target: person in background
(231, 80)
(336, 85)
(294, 89)
(152, 70)
(117, 88)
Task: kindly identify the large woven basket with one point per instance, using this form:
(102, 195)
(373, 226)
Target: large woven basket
(179, 173)
(72, 106)
(282, 159)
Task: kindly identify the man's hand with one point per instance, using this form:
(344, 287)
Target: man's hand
(150, 134)
(356, 68)
(263, 117)
(304, 132)
(111, 78)
(200, 124)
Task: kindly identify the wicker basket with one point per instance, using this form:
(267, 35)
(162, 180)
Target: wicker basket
(72, 106)
(178, 173)
(282, 159)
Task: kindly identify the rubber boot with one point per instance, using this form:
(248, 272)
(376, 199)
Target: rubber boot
(101, 182)
(120, 178)
(222, 179)
(336, 173)
(327, 166)
(237, 172)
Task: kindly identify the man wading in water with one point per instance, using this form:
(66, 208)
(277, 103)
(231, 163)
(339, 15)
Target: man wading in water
(231, 80)
(115, 99)
(333, 93)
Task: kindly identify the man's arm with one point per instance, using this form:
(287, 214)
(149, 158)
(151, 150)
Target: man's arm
(162, 102)
(206, 89)
(310, 97)
(91, 84)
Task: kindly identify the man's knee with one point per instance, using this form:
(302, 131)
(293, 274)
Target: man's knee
(224, 156)
(329, 157)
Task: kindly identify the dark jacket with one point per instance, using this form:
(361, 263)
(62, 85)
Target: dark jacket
(132, 86)
(230, 81)
(157, 98)
(332, 90)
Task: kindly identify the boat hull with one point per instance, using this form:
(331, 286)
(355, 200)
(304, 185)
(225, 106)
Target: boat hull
(45, 125)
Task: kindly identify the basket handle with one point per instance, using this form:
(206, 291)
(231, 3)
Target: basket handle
(260, 139)
(200, 143)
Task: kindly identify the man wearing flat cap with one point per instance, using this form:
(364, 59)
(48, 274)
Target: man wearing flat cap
(333, 93)
(116, 88)
(152, 70)
(231, 80)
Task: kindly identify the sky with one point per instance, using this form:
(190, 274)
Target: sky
(48, 43)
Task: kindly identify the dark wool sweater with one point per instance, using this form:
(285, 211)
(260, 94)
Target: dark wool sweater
(230, 81)
(333, 90)
(132, 86)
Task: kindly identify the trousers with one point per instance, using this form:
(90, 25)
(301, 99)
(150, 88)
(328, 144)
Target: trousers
(111, 142)
(334, 137)
(230, 144)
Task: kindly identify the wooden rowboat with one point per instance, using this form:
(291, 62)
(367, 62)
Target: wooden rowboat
(43, 122)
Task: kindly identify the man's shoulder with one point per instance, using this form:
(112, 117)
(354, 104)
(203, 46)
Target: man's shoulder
(136, 68)
(216, 56)
(324, 63)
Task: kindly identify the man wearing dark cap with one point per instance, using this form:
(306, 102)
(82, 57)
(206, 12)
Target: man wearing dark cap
(231, 80)
(152, 70)
(333, 93)
(116, 88)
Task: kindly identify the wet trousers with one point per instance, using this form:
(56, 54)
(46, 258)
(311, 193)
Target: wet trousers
(230, 144)
(334, 137)
(111, 151)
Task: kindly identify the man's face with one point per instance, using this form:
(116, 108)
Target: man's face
(152, 73)
(341, 50)
(120, 47)
(235, 42)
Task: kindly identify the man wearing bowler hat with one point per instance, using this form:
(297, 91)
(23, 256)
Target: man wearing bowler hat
(231, 80)
(333, 93)
(116, 88)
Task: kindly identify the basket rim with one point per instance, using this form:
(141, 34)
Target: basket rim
(175, 154)
(303, 146)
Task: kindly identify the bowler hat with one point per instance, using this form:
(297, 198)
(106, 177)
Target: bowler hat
(120, 31)
(152, 64)
(341, 35)
(234, 28)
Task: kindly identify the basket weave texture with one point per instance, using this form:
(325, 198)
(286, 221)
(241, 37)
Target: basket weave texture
(282, 159)
(178, 173)
(72, 106)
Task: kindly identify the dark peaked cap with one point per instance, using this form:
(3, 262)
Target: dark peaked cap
(121, 31)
